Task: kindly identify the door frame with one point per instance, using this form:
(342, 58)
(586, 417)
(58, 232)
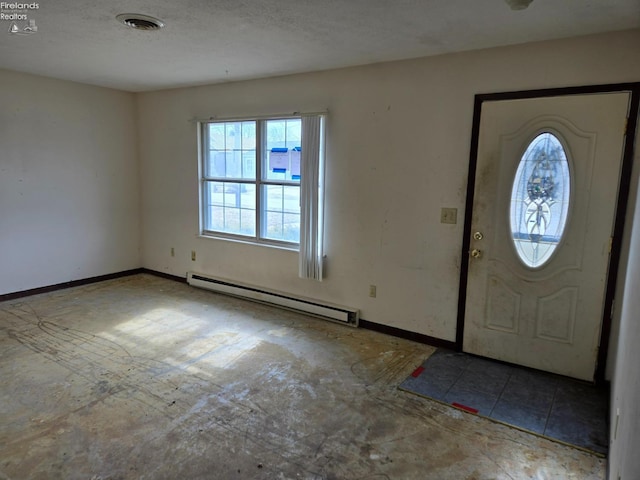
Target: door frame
(620, 213)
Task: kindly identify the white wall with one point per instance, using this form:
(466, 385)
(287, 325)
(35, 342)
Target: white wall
(624, 462)
(69, 182)
(398, 151)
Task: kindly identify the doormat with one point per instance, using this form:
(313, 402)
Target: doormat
(555, 407)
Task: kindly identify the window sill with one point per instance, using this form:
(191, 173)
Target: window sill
(290, 248)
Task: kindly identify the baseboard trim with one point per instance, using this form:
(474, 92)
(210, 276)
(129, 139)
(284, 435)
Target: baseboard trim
(376, 327)
(407, 335)
(72, 283)
(168, 276)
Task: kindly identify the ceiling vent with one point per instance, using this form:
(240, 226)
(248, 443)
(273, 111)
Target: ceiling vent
(140, 22)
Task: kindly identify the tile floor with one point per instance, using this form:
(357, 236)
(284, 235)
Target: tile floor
(557, 407)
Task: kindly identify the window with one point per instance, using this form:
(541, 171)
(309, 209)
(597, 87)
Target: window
(540, 200)
(251, 179)
(229, 178)
(261, 181)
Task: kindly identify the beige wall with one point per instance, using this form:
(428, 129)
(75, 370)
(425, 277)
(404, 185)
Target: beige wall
(398, 151)
(69, 183)
(624, 462)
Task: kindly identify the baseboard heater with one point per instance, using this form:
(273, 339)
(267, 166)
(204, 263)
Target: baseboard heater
(349, 316)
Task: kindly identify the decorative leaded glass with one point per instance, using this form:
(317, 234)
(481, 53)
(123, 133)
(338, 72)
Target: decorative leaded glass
(540, 200)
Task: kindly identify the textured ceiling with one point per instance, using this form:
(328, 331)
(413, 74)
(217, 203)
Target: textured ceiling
(211, 41)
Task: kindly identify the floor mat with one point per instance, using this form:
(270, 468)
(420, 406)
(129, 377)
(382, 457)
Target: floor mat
(556, 407)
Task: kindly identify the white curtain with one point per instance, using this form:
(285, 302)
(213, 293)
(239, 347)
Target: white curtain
(311, 195)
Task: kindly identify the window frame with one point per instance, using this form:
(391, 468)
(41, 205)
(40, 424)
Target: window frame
(259, 182)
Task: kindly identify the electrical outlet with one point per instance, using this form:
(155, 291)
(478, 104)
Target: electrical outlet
(449, 215)
(193, 255)
(372, 291)
(173, 252)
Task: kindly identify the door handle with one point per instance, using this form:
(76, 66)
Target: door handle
(475, 253)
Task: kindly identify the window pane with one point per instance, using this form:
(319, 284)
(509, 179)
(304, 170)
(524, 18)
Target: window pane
(232, 150)
(216, 136)
(212, 200)
(281, 213)
(291, 199)
(294, 133)
(230, 184)
(291, 228)
(282, 149)
(540, 200)
(230, 208)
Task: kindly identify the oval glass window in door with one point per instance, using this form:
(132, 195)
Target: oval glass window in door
(540, 200)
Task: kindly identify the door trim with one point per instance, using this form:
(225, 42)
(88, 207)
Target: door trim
(621, 207)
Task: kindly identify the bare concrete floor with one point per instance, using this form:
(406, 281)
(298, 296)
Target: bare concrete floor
(145, 378)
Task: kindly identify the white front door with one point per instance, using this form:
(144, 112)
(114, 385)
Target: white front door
(546, 186)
